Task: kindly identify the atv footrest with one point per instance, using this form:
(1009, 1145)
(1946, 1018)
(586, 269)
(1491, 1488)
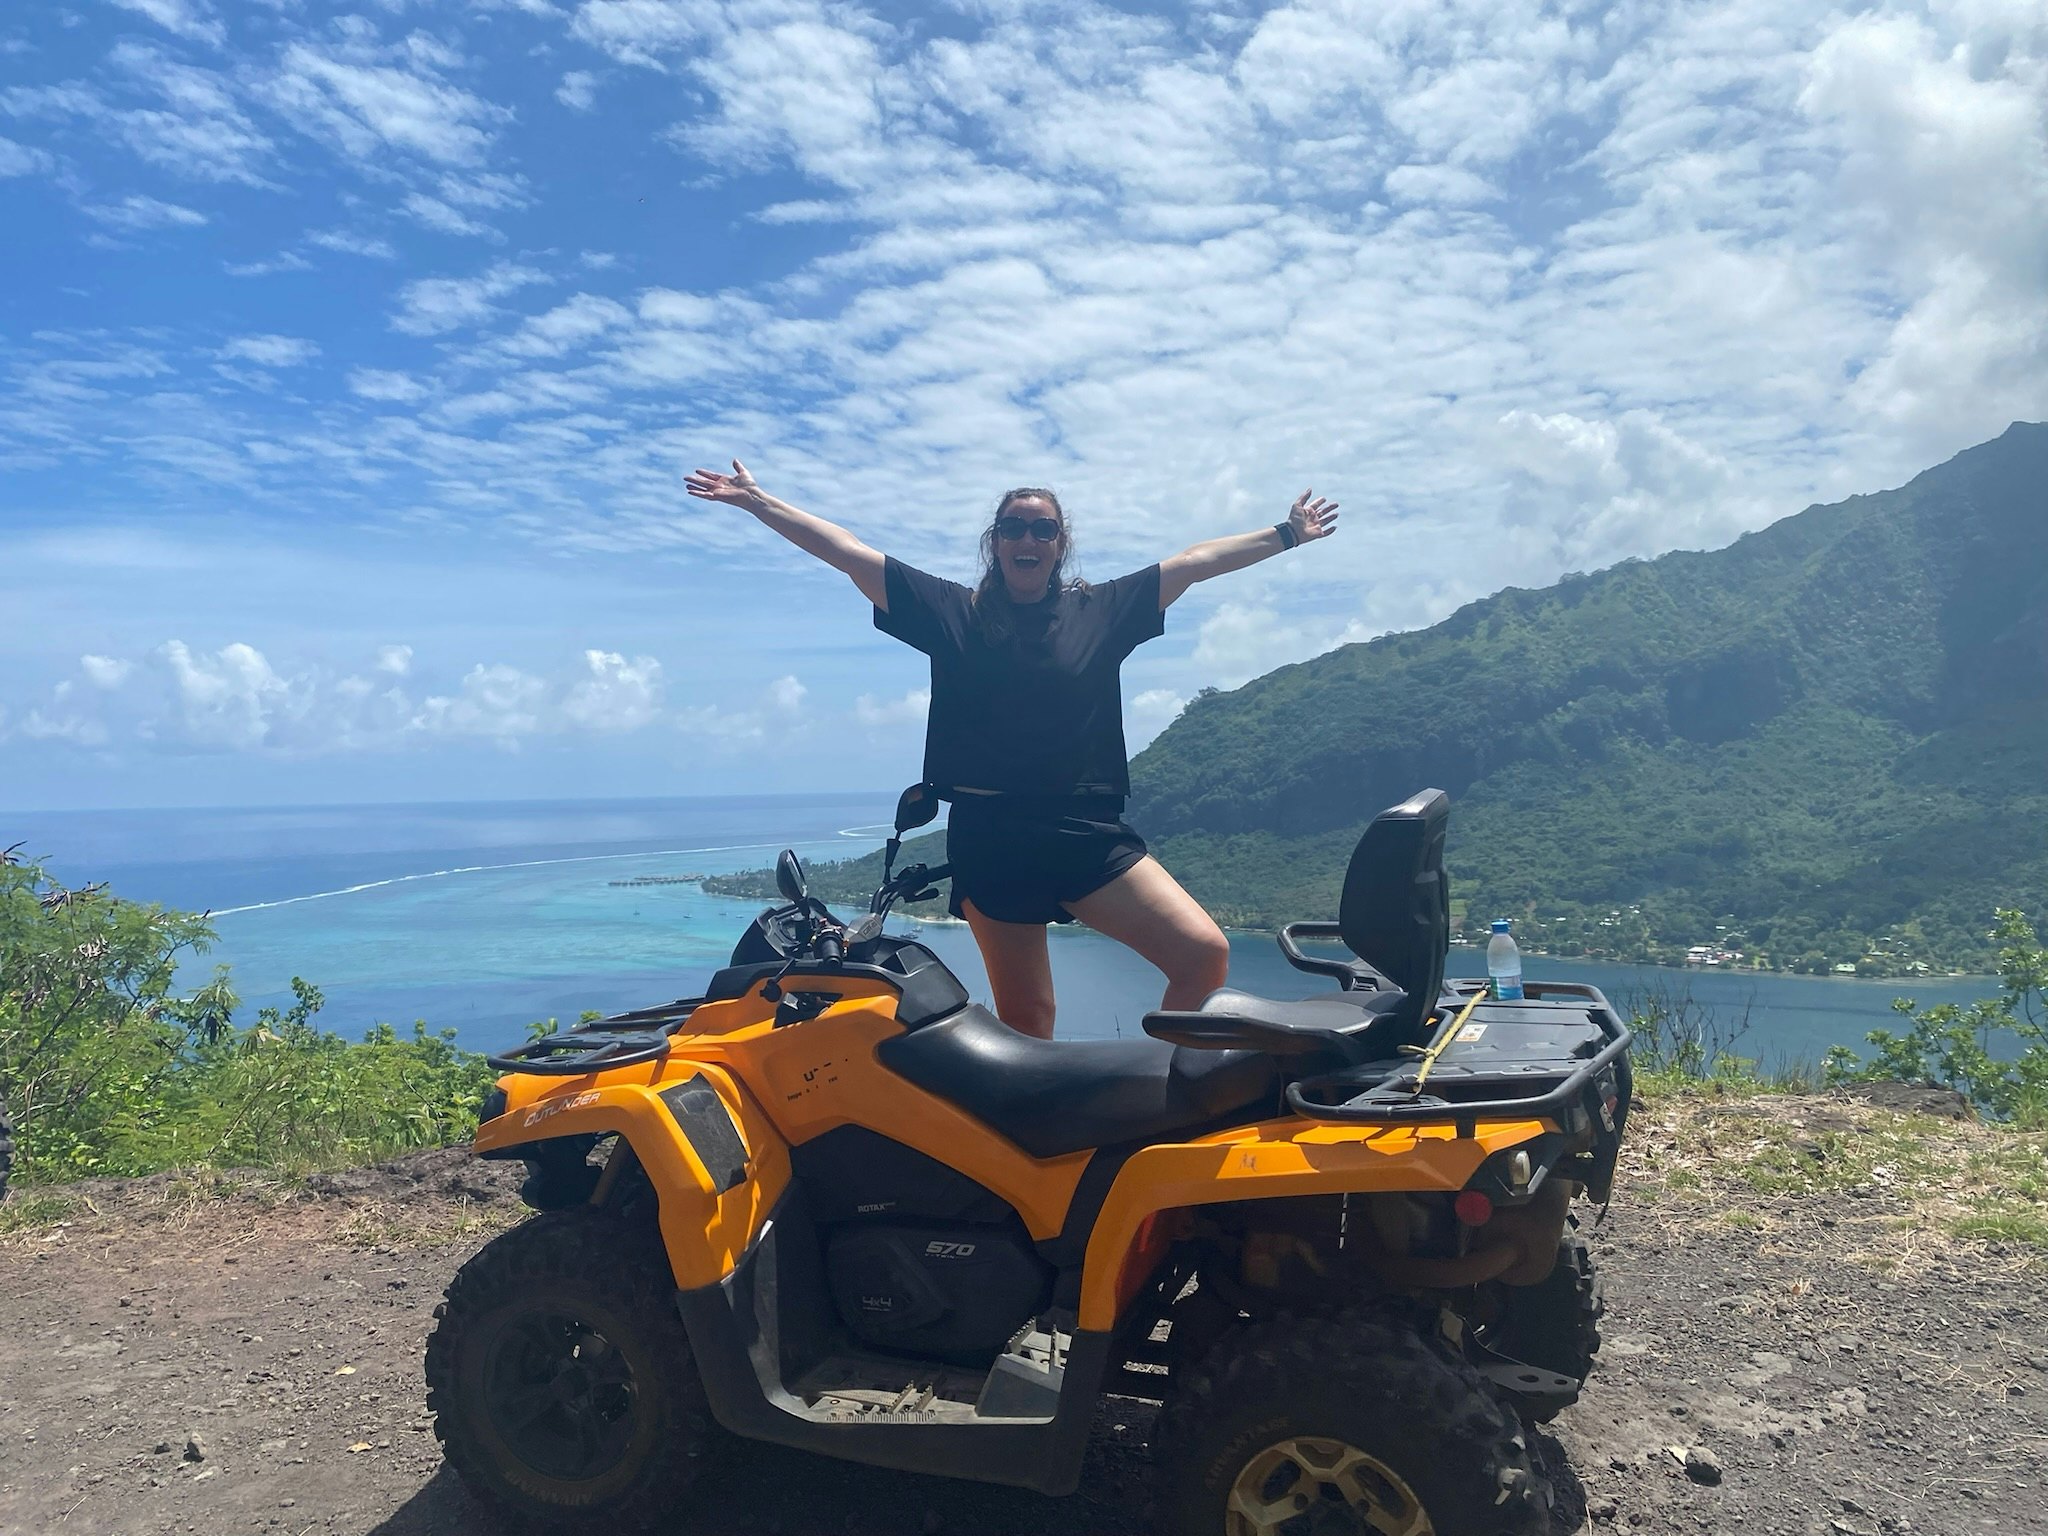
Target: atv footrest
(1023, 1383)
(849, 1388)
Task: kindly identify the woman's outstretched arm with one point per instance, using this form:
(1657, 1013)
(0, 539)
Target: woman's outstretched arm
(813, 535)
(1312, 517)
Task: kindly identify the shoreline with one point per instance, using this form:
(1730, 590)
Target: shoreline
(946, 920)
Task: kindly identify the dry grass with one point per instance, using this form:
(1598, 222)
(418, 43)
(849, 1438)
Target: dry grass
(1910, 1188)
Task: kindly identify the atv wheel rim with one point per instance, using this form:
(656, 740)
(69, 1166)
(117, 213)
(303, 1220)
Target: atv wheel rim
(560, 1395)
(1307, 1487)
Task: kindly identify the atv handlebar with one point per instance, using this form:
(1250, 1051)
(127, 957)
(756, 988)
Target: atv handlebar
(917, 883)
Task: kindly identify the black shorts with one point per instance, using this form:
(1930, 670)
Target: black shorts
(1021, 861)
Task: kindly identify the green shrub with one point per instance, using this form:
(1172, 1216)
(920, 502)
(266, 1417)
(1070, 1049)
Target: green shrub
(1995, 1052)
(107, 1068)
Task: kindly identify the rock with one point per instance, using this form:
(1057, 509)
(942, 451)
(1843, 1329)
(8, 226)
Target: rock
(1912, 1098)
(162, 1447)
(195, 1448)
(1602, 1511)
(1702, 1466)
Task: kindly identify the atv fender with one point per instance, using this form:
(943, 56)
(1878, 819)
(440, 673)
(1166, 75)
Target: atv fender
(713, 1157)
(1266, 1161)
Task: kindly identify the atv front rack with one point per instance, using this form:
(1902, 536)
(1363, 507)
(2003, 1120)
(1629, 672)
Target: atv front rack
(623, 1040)
(1555, 1054)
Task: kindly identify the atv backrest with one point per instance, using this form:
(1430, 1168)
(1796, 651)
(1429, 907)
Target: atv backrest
(1396, 911)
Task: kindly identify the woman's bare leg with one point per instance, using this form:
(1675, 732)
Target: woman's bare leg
(1146, 908)
(1019, 970)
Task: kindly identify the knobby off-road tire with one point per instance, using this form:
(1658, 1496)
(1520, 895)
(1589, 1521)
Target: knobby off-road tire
(1355, 1422)
(6, 1151)
(560, 1377)
(1553, 1325)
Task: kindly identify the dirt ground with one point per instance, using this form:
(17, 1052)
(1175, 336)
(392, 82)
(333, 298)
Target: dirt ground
(1783, 1294)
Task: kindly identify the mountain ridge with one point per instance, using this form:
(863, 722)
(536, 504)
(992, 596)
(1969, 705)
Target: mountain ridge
(1681, 736)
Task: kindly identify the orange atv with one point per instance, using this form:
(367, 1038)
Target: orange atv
(833, 1204)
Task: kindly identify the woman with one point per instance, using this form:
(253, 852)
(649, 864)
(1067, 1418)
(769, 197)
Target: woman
(1026, 731)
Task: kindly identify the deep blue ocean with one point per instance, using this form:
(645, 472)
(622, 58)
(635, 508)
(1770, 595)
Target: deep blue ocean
(487, 917)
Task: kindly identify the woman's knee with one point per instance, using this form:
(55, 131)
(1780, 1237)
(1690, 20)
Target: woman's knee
(1198, 956)
(1028, 1016)
(1206, 955)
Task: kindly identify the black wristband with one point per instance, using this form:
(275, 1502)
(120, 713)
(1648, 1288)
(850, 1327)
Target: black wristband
(1288, 537)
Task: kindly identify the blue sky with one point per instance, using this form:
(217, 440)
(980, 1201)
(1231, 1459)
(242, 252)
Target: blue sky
(353, 356)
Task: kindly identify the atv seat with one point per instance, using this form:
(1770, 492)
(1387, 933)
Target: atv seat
(1056, 1096)
(1345, 1024)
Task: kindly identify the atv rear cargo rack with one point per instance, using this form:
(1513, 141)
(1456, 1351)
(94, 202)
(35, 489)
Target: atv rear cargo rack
(1532, 1068)
(623, 1040)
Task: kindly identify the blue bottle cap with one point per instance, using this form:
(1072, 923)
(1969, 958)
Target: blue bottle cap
(1500, 925)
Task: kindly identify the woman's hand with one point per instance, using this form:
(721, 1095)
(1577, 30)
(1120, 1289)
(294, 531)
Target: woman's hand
(1312, 517)
(737, 489)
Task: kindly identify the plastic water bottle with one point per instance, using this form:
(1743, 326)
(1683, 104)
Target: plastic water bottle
(1504, 963)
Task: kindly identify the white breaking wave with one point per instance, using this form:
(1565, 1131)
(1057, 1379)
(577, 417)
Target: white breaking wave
(478, 869)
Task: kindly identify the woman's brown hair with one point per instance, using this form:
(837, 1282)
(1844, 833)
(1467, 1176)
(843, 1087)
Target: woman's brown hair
(992, 606)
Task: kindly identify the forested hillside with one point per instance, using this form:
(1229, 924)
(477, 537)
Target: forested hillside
(1827, 743)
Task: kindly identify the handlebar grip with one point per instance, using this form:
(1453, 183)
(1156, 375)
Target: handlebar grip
(829, 947)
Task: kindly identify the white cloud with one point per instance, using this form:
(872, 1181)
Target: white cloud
(351, 243)
(179, 699)
(190, 19)
(384, 384)
(365, 99)
(1944, 156)
(136, 212)
(640, 31)
(433, 305)
(105, 671)
(1448, 184)
(618, 695)
(24, 160)
(231, 699)
(499, 703)
(1149, 713)
(284, 261)
(572, 324)
(726, 731)
(435, 214)
(1605, 489)
(893, 714)
(1243, 640)
(196, 128)
(578, 90)
(272, 351)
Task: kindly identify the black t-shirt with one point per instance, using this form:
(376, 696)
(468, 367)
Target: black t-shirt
(1039, 713)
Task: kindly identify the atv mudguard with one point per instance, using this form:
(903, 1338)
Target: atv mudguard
(716, 1160)
(1271, 1160)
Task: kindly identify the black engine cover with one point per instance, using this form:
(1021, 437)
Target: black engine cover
(945, 1291)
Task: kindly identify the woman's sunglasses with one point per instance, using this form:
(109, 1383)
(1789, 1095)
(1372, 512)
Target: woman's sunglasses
(1043, 529)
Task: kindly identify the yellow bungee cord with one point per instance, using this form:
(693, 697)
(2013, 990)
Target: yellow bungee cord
(1444, 1037)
